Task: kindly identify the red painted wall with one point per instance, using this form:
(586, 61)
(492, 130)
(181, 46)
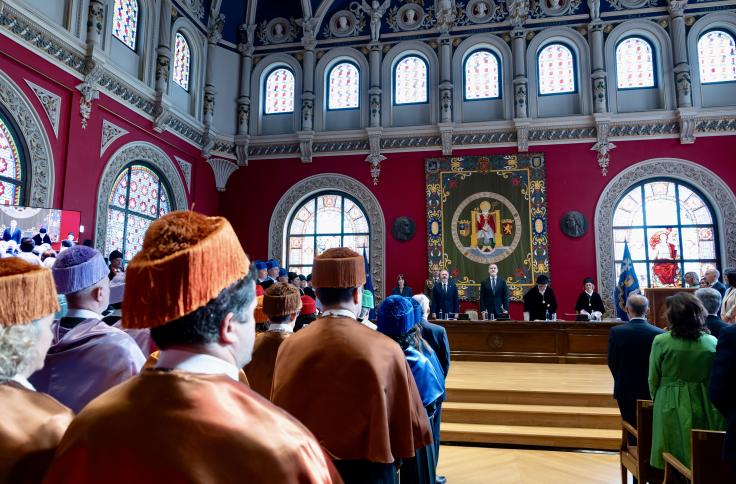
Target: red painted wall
(78, 165)
(574, 182)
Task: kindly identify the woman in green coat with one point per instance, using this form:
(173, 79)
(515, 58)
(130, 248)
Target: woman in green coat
(679, 370)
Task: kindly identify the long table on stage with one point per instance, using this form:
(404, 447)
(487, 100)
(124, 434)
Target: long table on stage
(529, 341)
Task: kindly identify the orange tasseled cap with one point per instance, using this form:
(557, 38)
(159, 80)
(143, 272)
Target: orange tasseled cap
(187, 259)
(27, 292)
(338, 267)
(281, 299)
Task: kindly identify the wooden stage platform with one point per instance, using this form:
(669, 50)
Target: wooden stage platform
(530, 342)
(528, 404)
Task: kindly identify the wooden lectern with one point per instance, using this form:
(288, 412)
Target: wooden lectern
(657, 306)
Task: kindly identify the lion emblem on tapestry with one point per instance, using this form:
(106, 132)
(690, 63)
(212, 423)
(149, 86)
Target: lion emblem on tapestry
(485, 210)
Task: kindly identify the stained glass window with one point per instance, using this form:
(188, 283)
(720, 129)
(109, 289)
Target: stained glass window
(556, 65)
(410, 80)
(182, 59)
(634, 63)
(138, 198)
(327, 220)
(125, 21)
(670, 230)
(344, 86)
(482, 79)
(279, 91)
(717, 57)
(11, 167)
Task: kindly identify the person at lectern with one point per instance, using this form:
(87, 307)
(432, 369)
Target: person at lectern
(445, 298)
(589, 302)
(540, 302)
(494, 294)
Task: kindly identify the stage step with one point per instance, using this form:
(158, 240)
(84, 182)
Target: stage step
(531, 415)
(528, 397)
(561, 437)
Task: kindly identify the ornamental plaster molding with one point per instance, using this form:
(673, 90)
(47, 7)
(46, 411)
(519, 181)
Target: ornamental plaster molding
(186, 170)
(41, 162)
(223, 169)
(294, 196)
(51, 104)
(139, 152)
(110, 133)
(719, 195)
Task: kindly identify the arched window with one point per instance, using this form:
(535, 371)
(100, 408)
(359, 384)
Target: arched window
(717, 57)
(634, 63)
(279, 98)
(410, 80)
(138, 198)
(556, 70)
(482, 76)
(324, 221)
(12, 173)
(670, 230)
(343, 89)
(125, 21)
(182, 60)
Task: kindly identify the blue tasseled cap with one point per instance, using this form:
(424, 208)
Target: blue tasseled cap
(395, 316)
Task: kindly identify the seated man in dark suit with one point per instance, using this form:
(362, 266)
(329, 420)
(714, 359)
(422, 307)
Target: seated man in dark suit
(445, 298)
(710, 298)
(494, 293)
(629, 346)
(722, 391)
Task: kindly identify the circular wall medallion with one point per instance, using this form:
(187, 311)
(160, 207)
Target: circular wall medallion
(410, 16)
(403, 229)
(573, 224)
(277, 30)
(342, 23)
(480, 11)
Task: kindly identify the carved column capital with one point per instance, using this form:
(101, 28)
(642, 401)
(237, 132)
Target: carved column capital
(522, 134)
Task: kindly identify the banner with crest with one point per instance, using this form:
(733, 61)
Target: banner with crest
(485, 210)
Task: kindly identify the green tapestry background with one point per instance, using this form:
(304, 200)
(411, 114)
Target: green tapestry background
(488, 209)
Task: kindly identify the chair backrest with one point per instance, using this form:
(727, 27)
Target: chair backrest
(708, 465)
(472, 313)
(644, 417)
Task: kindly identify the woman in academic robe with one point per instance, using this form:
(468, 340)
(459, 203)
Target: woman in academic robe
(396, 319)
(401, 288)
(679, 370)
(32, 423)
(590, 302)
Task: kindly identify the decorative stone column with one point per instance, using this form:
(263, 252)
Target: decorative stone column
(163, 60)
(599, 69)
(95, 23)
(92, 66)
(306, 134)
(214, 35)
(374, 92)
(518, 34)
(676, 9)
(242, 138)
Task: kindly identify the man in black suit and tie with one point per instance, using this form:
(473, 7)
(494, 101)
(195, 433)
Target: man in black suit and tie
(494, 293)
(712, 277)
(711, 301)
(722, 391)
(444, 296)
(629, 346)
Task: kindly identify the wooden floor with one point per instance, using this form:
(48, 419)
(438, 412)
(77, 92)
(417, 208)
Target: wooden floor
(531, 404)
(476, 465)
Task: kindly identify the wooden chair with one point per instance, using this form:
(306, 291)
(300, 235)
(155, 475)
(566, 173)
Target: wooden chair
(635, 458)
(706, 455)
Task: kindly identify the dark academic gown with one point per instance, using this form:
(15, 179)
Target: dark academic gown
(629, 345)
(86, 360)
(722, 391)
(260, 369)
(177, 427)
(589, 303)
(39, 239)
(715, 325)
(353, 388)
(536, 304)
(31, 427)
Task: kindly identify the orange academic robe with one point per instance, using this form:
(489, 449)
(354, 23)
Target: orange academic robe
(352, 387)
(260, 369)
(31, 426)
(176, 427)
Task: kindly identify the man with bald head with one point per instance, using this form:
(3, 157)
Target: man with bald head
(629, 346)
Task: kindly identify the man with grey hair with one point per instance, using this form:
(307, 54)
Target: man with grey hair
(711, 300)
(712, 277)
(629, 345)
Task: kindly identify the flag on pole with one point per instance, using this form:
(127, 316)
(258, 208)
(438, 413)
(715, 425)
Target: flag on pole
(628, 284)
(368, 282)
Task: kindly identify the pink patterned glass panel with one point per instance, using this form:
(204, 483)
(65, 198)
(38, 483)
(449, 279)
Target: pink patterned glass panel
(344, 87)
(11, 169)
(279, 92)
(717, 57)
(410, 81)
(481, 76)
(182, 58)
(634, 64)
(125, 21)
(136, 230)
(144, 186)
(115, 231)
(556, 70)
(119, 195)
